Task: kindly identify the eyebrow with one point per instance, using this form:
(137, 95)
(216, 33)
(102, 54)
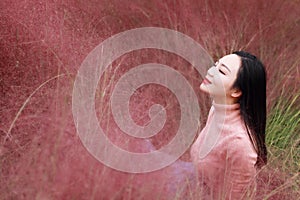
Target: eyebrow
(223, 65)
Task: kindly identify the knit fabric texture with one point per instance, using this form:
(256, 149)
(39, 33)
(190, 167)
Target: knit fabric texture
(224, 156)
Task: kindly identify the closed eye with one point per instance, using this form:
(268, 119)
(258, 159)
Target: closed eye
(221, 72)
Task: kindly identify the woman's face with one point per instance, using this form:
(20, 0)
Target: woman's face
(220, 78)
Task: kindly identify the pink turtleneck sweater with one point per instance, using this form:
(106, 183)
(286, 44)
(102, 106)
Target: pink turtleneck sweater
(224, 155)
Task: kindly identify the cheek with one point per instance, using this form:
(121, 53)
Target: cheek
(224, 85)
(221, 82)
(228, 81)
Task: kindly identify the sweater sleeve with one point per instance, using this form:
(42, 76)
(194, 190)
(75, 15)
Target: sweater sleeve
(240, 170)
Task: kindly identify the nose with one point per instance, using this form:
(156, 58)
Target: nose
(211, 71)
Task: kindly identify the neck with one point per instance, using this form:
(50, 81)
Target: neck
(224, 100)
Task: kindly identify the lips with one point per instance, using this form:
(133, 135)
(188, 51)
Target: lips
(206, 81)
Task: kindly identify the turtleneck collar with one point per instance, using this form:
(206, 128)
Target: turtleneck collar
(226, 107)
(227, 112)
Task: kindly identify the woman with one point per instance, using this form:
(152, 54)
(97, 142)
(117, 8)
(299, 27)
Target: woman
(231, 147)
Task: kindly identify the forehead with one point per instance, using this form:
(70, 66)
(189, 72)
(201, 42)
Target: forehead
(232, 61)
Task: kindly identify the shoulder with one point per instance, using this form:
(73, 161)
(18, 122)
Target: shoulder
(240, 149)
(239, 142)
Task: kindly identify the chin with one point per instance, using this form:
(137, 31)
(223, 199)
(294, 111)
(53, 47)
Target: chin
(204, 89)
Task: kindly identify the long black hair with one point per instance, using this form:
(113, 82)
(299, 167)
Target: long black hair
(251, 81)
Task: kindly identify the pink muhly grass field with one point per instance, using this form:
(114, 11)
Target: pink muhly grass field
(42, 45)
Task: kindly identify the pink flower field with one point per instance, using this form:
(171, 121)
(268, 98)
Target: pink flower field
(42, 47)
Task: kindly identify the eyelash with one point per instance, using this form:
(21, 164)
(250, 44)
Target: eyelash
(221, 72)
(215, 65)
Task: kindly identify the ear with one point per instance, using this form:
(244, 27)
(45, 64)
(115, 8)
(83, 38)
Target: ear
(236, 93)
